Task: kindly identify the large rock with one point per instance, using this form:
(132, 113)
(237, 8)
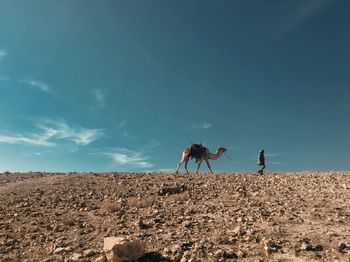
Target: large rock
(120, 249)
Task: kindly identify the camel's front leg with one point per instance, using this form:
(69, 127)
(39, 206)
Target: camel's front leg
(199, 165)
(178, 166)
(184, 158)
(208, 166)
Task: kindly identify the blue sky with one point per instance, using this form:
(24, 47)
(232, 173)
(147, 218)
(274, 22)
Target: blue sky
(127, 85)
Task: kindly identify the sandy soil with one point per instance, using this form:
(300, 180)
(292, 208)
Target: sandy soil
(220, 217)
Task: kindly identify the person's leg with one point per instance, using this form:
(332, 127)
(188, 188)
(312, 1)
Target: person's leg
(262, 169)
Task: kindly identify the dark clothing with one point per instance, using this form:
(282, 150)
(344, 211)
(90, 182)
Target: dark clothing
(261, 162)
(261, 159)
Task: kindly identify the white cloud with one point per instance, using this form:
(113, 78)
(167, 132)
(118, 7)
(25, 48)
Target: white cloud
(3, 53)
(37, 84)
(51, 131)
(124, 156)
(20, 139)
(201, 126)
(99, 96)
(61, 130)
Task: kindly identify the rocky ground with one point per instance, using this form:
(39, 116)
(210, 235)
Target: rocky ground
(220, 217)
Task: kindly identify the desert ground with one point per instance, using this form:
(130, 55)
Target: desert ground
(220, 217)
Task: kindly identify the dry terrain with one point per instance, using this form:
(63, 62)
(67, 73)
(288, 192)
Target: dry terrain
(220, 217)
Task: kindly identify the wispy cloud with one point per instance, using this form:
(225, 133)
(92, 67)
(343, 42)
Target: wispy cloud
(122, 124)
(37, 84)
(5, 78)
(129, 136)
(271, 154)
(3, 53)
(52, 131)
(153, 143)
(306, 10)
(61, 130)
(136, 160)
(124, 156)
(201, 126)
(26, 140)
(277, 163)
(123, 132)
(99, 96)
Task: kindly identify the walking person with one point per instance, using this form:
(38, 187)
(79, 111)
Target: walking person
(261, 162)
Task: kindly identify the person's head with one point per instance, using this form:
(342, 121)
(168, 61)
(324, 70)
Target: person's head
(262, 151)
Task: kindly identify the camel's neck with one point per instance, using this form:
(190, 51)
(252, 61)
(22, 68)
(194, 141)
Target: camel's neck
(215, 156)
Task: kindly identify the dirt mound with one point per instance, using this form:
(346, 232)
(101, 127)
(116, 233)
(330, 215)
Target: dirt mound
(220, 217)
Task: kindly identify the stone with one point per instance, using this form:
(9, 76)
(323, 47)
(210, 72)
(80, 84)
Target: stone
(317, 248)
(121, 249)
(88, 253)
(187, 223)
(110, 207)
(230, 254)
(101, 259)
(306, 246)
(167, 190)
(248, 238)
(58, 250)
(270, 246)
(218, 253)
(142, 225)
(76, 256)
(109, 242)
(341, 246)
(175, 248)
(237, 231)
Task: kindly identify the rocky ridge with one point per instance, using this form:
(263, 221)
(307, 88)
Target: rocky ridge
(220, 217)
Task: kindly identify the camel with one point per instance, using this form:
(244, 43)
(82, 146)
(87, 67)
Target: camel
(200, 153)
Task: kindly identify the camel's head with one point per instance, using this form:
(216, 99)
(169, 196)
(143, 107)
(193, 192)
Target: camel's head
(222, 149)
